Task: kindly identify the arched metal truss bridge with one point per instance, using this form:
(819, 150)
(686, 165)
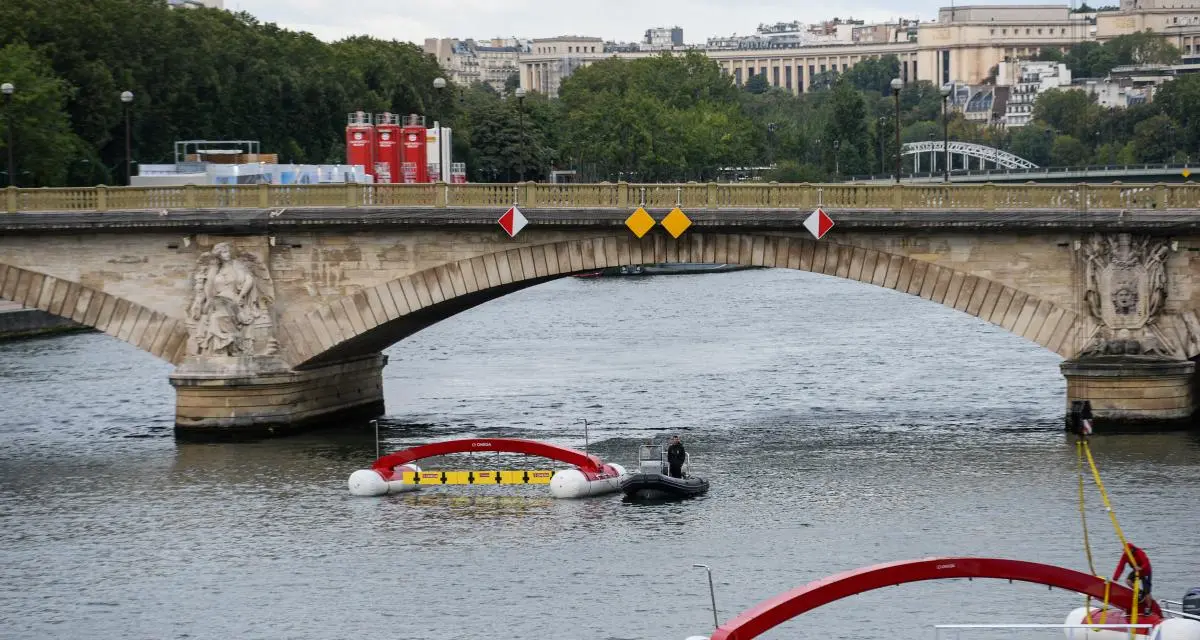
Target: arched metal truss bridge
(1001, 159)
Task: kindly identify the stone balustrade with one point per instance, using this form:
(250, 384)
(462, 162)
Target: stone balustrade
(895, 197)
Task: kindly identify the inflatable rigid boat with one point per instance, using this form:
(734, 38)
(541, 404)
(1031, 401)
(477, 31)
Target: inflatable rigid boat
(652, 481)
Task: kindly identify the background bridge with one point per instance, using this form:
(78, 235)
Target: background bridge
(1156, 172)
(965, 151)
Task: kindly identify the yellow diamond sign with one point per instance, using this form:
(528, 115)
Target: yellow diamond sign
(1187, 172)
(676, 222)
(639, 222)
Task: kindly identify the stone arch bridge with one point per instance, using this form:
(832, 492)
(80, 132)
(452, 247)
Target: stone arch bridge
(275, 317)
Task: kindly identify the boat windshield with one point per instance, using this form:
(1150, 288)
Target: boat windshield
(650, 452)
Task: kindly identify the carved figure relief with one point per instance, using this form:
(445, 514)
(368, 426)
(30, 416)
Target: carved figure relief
(1126, 281)
(231, 300)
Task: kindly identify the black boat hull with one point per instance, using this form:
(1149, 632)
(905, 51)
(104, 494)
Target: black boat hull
(656, 486)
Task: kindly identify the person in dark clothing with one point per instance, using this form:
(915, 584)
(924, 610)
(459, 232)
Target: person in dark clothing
(675, 457)
(1139, 568)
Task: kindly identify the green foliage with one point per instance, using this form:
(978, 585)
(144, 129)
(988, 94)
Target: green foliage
(44, 148)
(1154, 139)
(790, 171)
(847, 145)
(655, 119)
(1034, 142)
(1095, 60)
(209, 74)
(757, 84)
(874, 75)
(206, 74)
(1068, 151)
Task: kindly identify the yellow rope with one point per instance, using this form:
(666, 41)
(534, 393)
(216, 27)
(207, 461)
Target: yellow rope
(1087, 546)
(1108, 505)
(1104, 610)
(1137, 583)
(1112, 514)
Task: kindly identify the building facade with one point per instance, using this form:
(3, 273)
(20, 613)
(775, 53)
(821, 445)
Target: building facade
(1026, 81)
(491, 62)
(964, 45)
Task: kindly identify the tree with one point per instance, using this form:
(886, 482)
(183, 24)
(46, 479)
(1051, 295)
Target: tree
(874, 75)
(1154, 139)
(1179, 100)
(658, 118)
(44, 148)
(1068, 151)
(1068, 111)
(512, 82)
(1143, 47)
(848, 140)
(790, 171)
(1034, 142)
(757, 84)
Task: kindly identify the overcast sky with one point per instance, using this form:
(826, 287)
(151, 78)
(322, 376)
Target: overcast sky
(622, 20)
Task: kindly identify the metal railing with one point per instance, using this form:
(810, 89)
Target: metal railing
(1176, 612)
(1113, 171)
(959, 628)
(690, 196)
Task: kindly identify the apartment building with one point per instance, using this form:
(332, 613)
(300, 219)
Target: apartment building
(490, 62)
(962, 46)
(1026, 81)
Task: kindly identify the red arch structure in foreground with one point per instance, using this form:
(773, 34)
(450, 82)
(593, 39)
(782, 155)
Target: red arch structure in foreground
(585, 462)
(766, 615)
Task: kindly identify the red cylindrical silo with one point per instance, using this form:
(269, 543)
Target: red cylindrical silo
(387, 148)
(360, 141)
(412, 150)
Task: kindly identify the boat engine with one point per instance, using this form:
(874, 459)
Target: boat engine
(1191, 602)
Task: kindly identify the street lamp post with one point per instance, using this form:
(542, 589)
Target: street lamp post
(520, 93)
(896, 84)
(879, 134)
(7, 89)
(126, 100)
(946, 133)
(438, 85)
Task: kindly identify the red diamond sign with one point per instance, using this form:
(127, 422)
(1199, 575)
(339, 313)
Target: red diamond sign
(512, 222)
(818, 224)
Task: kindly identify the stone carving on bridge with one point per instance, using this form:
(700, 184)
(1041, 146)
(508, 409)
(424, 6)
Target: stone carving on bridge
(230, 312)
(1126, 281)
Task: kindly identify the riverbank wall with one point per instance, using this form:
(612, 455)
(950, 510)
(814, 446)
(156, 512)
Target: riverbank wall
(19, 322)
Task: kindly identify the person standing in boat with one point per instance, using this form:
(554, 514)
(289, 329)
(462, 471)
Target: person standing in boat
(1138, 568)
(675, 457)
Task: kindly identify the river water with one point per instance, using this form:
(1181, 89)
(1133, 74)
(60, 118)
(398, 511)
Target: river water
(841, 425)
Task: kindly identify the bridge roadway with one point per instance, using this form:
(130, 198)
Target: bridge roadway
(309, 219)
(332, 275)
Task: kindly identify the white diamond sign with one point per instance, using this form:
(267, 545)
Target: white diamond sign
(818, 224)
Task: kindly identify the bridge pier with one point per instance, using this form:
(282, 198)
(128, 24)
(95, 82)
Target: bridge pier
(224, 398)
(1132, 393)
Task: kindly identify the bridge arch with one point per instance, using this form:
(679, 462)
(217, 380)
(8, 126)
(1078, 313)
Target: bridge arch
(771, 613)
(584, 461)
(982, 152)
(151, 331)
(376, 317)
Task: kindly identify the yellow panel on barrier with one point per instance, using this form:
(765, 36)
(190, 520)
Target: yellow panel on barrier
(540, 477)
(487, 477)
(520, 476)
(454, 477)
(526, 477)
